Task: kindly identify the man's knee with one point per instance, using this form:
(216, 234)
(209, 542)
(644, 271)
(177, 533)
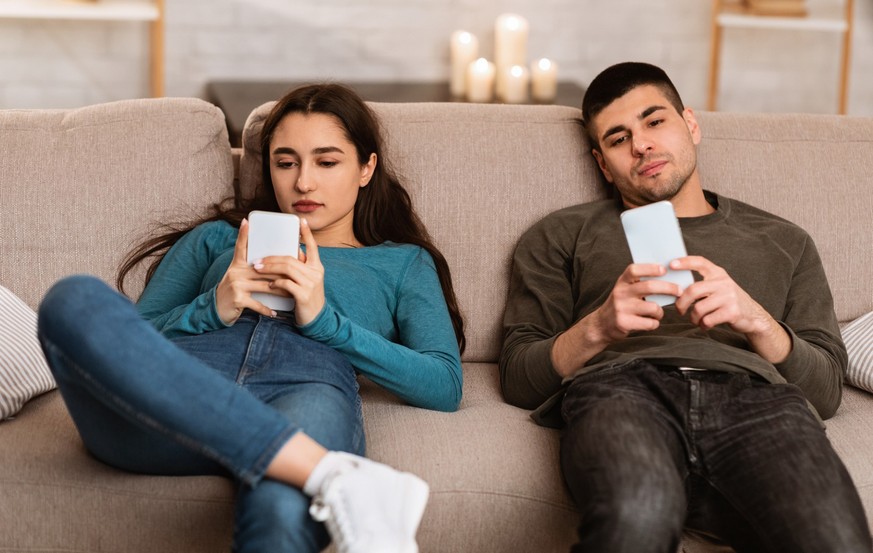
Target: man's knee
(634, 518)
(631, 492)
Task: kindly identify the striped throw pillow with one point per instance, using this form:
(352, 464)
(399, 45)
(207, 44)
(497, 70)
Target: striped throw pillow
(858, 336)
(24, 372)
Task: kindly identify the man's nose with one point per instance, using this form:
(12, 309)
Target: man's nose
(642, 145)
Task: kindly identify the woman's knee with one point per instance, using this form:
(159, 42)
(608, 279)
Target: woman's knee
(68, 302)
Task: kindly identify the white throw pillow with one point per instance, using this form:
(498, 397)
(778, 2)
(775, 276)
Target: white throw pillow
(858, 336)
(24, 372)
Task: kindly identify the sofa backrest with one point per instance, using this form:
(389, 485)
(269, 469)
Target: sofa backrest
(813, 170)
(481, 174)
(78, 187)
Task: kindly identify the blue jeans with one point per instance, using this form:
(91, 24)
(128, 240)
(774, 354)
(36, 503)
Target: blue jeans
(649, 450)
(223, 402)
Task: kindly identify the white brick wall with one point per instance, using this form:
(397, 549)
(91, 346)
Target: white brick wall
(66, 64)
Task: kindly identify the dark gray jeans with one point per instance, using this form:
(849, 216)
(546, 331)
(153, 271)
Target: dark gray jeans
(650, 450)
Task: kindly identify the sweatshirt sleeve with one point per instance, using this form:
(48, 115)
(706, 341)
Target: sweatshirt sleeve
(173, 301)
(818, 360)
(424, 368)
(538, 309)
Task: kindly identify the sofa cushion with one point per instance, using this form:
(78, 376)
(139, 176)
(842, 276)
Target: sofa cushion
(23, 369)
(489, 457)
(80, 186)
(55, 497)
(858, 336)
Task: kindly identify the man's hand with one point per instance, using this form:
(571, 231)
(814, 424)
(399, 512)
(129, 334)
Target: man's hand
(717, 300)
(624, 311)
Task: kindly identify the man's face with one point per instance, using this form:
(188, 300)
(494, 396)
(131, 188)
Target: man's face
(647, 150)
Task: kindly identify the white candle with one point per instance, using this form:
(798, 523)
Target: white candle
(544, 80)
(510, 44)
(480, 81)
(515, 85)
(465, 48)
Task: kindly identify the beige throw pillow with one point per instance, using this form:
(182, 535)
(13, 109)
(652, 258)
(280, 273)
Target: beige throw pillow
(858, 336)
(24, 372)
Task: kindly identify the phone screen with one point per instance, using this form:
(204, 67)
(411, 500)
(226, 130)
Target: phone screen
(654, 236)
(272, 233)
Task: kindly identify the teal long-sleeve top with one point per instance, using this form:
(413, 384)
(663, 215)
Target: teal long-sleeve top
(384, 310)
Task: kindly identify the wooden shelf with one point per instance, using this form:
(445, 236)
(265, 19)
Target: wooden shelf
(72, 10)
(147, 11)
(733, 14)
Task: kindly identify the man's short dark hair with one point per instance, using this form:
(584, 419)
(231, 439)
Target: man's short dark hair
(616, 81)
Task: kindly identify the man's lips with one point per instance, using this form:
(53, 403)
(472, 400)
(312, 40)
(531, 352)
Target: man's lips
(650, 169)
(306, 207)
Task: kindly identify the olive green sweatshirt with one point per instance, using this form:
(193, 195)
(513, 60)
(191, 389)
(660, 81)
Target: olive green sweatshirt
(566, 265)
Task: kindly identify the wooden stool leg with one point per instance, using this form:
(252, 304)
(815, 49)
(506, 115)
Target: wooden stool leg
(714, 57)
(846, 58)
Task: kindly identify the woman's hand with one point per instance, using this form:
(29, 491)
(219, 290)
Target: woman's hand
(301, 278)
(234, 291)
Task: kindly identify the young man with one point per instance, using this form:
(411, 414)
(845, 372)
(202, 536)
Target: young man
(705, 414)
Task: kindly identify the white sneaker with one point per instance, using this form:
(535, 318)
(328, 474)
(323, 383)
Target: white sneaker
(369, 507)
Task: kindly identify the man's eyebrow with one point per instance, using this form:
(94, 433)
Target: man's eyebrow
(611, 131)
(651, 110)
(621, 128)
(321, 150)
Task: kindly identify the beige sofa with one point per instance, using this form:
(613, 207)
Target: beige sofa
(78, 187)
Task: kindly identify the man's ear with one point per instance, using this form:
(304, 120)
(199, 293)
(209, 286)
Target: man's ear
(599, 157)
(693, 127)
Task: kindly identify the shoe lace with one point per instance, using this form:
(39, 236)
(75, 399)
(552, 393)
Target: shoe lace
(329, 507)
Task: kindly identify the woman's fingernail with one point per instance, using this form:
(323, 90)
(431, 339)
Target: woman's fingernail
(258, 265)
(304, 222)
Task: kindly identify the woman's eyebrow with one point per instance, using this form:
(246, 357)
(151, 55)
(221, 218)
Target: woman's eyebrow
(320, 150)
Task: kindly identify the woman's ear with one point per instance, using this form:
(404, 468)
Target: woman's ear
(367, 170)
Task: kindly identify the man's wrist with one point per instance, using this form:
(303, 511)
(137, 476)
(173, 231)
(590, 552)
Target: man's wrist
(575, 347)
(771, 341)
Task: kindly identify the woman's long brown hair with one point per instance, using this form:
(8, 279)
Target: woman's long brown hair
(383, 210)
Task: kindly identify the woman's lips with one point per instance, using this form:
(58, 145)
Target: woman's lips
(306, 207)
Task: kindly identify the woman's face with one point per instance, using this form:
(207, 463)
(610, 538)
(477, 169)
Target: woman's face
(316, 174)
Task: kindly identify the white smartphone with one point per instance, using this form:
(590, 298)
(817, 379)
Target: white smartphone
(272, 233)
(654, 236)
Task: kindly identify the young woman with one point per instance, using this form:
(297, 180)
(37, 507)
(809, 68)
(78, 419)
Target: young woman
(200, 378)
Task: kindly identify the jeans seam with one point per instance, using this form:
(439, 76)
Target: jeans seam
(244, 367)
(259, 468)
